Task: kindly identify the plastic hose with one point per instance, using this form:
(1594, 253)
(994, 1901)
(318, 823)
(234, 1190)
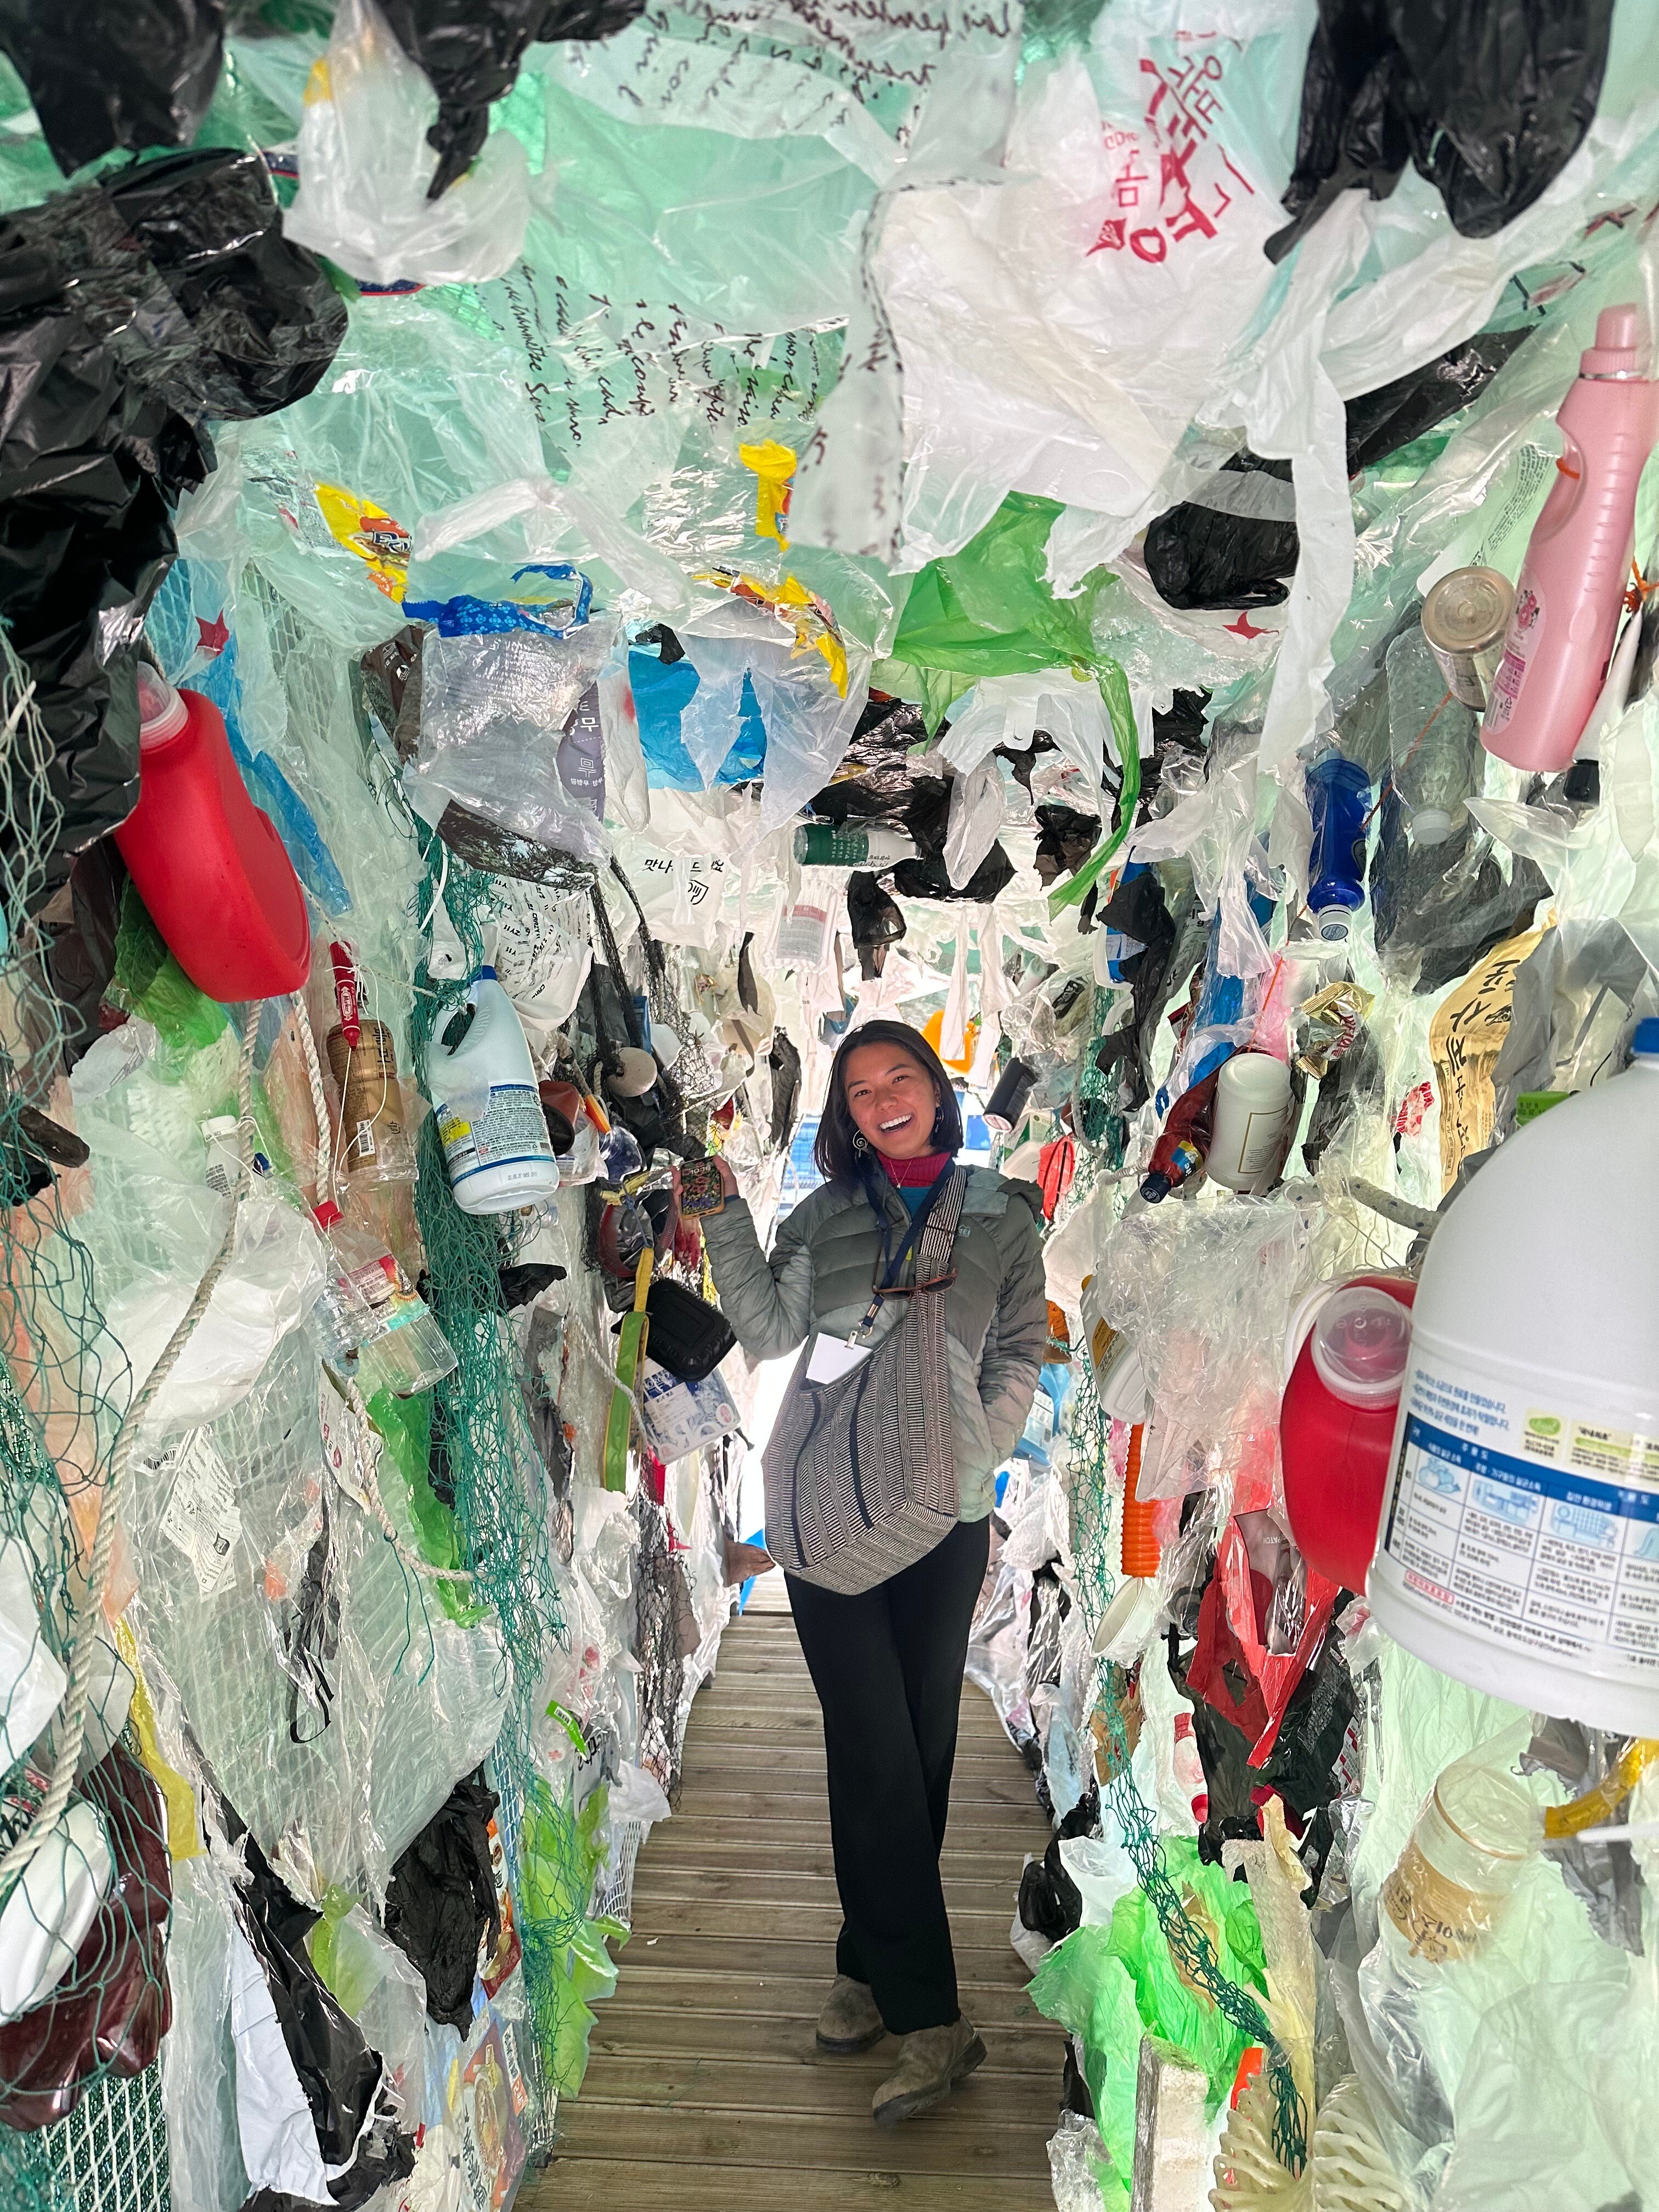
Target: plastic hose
(1141, 1546)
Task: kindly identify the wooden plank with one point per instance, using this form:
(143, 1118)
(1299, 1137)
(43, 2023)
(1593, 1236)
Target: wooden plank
(647, 1981)
(641, 2031)
(994, 1790)
(996, 1965)
(735, 1848)
(996, 1798)
(971, 1831)
(766, 2087)
(660, 1882)
(576, 2182)
(950, 2141)
(739, 1920)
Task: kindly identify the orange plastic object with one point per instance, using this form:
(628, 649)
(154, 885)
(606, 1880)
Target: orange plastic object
(1141, 1546)
(933, 1030)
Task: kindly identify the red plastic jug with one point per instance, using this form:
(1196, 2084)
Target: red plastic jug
(209, 864)
(1336, 1425)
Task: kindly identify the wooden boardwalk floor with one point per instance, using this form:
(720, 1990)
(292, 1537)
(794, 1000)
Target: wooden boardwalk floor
(706, 2091)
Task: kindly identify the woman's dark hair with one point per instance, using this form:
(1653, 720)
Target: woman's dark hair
(833, 1146)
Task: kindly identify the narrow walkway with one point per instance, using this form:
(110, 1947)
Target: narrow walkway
(706, 2093)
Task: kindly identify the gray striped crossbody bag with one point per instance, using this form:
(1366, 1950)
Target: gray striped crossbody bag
(860, 1472)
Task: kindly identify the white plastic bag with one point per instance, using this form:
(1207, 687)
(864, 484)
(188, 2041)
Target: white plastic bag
(365, 167)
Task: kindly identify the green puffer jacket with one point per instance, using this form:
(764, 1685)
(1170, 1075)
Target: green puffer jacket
(820, 1275)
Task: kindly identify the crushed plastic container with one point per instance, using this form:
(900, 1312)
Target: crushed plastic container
(1518, 1549)
(209, 866)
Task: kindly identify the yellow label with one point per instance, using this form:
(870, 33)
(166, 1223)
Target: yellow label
(382, 544)
(773, 465)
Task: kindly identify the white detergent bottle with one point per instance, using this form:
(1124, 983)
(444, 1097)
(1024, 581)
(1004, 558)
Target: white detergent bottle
(1519, 1544)
(489, 1111)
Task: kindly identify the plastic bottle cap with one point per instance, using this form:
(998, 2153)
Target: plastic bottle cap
(1361, 1343)
(486, 975)
(161, 713)
(1645, 1042)
(327, 1214)
(1430, 825)
(1613, 354)
(1332, 924)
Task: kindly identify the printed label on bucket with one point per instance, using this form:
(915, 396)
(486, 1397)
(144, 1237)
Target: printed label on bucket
(1529, 1521)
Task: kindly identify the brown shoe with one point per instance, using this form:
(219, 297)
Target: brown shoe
(849, 2020)
(931, 2063)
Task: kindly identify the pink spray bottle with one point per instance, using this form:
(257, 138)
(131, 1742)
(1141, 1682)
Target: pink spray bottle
(1572, 581)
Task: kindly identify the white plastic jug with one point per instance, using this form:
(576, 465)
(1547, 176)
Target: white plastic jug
(1518, 1549)
(491, 1122)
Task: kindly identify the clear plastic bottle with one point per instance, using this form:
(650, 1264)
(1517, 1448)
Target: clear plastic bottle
(373, 1324)
(1434, 742)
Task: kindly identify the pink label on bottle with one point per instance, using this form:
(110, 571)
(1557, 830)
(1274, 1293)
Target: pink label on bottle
(1525, 632)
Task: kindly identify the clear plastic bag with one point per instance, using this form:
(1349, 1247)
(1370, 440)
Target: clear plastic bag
(366, 168)
(491, 706)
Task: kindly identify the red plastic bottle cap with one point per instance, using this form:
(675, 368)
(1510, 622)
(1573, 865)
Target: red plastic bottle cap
(1613, 354)
(161, 713)
(1361, 1343)
(327, 1214)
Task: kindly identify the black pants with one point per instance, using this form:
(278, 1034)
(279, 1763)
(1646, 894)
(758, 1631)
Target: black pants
(887, 1668)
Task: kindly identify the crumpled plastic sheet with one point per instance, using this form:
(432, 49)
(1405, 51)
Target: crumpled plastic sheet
(491, 706)
(369, 170)
(1442, 2051)
(1205, 1294)
(335, 1699)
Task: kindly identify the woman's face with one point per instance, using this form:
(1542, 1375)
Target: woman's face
(892, 1099)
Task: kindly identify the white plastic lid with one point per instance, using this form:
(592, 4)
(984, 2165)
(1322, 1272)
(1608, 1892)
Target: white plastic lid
(1361, 1343)
(161, 713)
(1430, 825)
(1333, 924)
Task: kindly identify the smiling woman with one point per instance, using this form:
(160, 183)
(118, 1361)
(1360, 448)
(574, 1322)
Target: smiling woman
(895, 1217)
(889, 1097)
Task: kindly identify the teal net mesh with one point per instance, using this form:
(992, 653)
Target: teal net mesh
(84, 1884)
(503, 1509)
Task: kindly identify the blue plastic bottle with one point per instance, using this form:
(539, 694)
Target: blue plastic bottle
(1338, 800)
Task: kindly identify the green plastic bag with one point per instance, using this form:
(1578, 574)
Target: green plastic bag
(988, 610)
(1110, 1985)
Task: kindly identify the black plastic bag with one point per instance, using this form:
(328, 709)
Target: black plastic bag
(180, 266)
(89, 465)
(472, 50)
(875, 921)
(102, 76)
(1490, 98)
(1381, 422)
(1198, 556)
(1438, 908)
(440, 1901)
(342, 2078)
(127, 310)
